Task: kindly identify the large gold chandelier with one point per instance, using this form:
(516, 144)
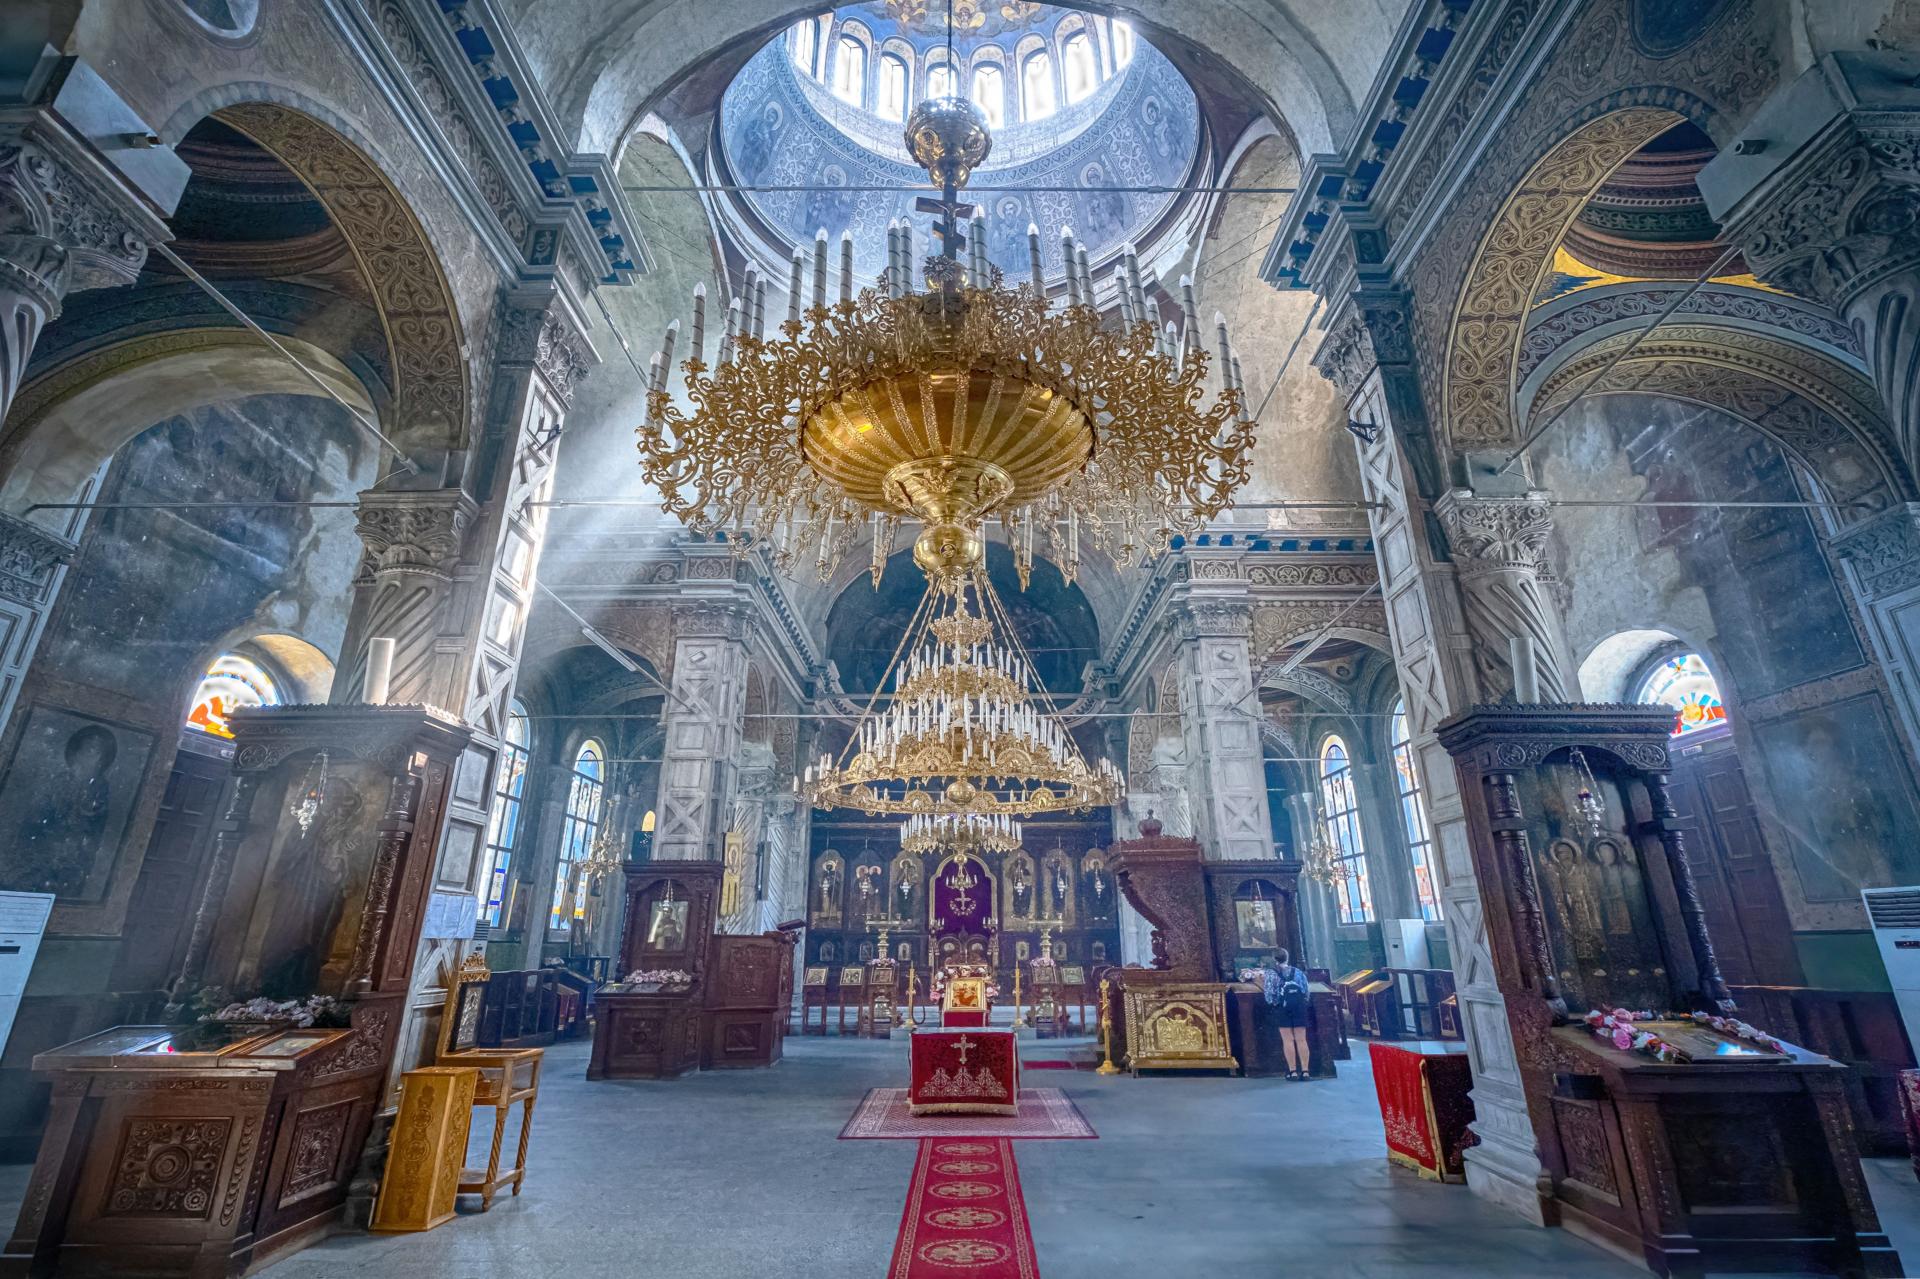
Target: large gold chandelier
(951, 404)
(961, 832)
(966, 741)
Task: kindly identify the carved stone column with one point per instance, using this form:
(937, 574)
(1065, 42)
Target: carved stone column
(1368, 355)
(413, 542)
(1499, 549)
(67, 223)
(1826, 204)
(1219, 718)
(703, 721)
(32, 563)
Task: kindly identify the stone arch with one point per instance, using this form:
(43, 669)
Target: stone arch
(63, 425)
(1824, 413)
(1483, 338)
(427, 346)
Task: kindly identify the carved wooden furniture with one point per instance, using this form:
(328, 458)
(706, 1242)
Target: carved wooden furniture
(1423, 1088)
(1860, 1028)
(853, 990)
(421, 1181)
(1376, 1008)
(1418, 994)
(164, 1156)
(1346, 987)
(879, 1000)
(1254, 1033)
(814, 994)
(1742, 1159)
(1253, 909)
(963, 1070)
(749, 993)
(1163, 879)
(507, 1076)
(671, 913)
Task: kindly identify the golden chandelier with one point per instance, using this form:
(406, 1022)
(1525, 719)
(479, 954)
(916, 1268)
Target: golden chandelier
(954, 404)
(966, 741)
(963, 832)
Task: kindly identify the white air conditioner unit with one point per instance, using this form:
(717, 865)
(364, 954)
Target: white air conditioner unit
(1406, 941)
(1895, 916)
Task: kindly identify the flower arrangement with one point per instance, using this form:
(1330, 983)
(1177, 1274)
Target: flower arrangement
(1621, 1028)
(658, 977)
(314, 1010)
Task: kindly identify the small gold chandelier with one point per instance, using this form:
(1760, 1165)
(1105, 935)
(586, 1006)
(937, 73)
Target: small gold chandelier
(1322, 864)
(963, 402)
(966, 735)
(964, 833)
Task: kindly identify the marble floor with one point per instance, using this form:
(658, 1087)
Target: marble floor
(740, 1175)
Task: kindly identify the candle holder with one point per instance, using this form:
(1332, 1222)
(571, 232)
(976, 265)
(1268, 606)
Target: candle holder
(1106, 1067)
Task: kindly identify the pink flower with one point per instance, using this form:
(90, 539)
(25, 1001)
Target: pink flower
(1622, 1038)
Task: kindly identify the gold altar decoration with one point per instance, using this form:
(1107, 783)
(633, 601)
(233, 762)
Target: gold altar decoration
(964, 401)
(965, 833)
(1178, 1026)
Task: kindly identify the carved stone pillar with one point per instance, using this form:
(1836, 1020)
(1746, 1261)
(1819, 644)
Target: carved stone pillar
(1826, 204)
(1219, 718)
(1317, 915)
(1882, 557)
(32, 563)
(1499, 549)
(1368, 355)
(703, 721)
(413, 541)
(67, 223)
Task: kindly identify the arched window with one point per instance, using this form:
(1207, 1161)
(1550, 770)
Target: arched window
(1036, 86)
(893, 86)
(503, 827)
(800, 42)
(1413, 815)
(850, 71)
(1078, 69)
(1353, 894)
(1683, 682)
(581, 829)
(990, 93)
(940, 81)
(1122, 44)
(231, 682)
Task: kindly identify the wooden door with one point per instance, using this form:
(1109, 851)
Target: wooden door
(167, 894)
(1746, 914)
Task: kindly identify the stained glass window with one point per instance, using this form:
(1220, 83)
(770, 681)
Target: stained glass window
(1036, 86)
(893, 87)
(1080, 72)
(1413, 815)
(1684, 683)
(990, 93)
(581, 828)
(850, 71)
(231, 682)
(1353, 894)
(503, 828)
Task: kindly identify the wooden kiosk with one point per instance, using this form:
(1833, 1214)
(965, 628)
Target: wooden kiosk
(1737, 1156)
(206, 1150)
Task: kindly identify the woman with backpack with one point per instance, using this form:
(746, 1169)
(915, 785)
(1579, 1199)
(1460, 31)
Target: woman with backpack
(1286, 991)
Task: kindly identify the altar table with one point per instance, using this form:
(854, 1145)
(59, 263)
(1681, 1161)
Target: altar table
(1424, 1106)
(966, 1070)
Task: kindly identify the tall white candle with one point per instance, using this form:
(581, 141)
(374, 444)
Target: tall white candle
(820, 267)
(1033, 260)
(699, 350)
(379, 670)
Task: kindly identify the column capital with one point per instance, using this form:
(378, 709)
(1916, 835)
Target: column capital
(1884, 551)
(1369, 329)
(1213, 619)
(1836, 207)
(66, 221)
(29, 555)
(1489, 534)
(712, 621)
(415, 532)
(547, 335)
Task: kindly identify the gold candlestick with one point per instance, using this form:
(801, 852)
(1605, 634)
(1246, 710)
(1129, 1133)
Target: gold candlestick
(900, 1017)
(1106, 1067)
(1019, 1018)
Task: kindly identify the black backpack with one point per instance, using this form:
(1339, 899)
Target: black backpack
(1293, 992)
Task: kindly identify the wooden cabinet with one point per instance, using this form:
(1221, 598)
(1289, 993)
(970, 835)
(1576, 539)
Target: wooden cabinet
(749, 992)
(645, 1036)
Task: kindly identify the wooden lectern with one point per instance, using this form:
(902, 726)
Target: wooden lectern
(1173, 1015)
(1740, 1159)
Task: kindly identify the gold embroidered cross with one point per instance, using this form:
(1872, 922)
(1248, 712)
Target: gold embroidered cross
(963, 1046)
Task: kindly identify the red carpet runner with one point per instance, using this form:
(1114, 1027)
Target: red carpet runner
(964, 1214)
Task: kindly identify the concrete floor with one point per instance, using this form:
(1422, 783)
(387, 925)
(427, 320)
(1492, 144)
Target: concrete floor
(738, 1175)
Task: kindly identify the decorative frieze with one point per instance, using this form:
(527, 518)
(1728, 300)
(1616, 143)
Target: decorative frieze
(29, 556)
(1884, 551)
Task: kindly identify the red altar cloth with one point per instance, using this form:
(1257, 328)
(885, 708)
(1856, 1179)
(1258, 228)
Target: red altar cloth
(971, 1070)
(1424, 1106)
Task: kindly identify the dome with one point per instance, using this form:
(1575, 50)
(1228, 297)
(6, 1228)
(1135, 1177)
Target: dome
(1077, 103)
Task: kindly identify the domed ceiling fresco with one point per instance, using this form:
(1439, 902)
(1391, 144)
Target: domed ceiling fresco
(782, 124)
